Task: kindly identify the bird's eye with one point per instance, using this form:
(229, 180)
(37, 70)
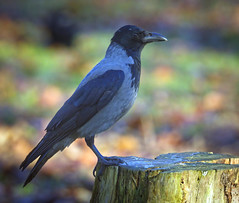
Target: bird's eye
(139, 35)
(142, 34)
(136, 37)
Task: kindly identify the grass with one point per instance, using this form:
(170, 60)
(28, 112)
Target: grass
(182, 73)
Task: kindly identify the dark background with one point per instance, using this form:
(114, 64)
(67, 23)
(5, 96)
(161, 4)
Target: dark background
(188, 98)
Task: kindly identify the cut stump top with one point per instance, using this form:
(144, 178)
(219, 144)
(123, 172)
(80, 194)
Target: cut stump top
(177, 162)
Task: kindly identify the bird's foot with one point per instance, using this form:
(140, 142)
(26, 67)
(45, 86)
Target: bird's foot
(106, 161)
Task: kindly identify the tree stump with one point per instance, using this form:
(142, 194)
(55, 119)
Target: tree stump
(177, 177)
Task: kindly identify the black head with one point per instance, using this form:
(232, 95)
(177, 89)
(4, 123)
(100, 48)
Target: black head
(134, 38)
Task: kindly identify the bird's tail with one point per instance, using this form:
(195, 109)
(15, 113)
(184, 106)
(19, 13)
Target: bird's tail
(40, 162)
(45, 149)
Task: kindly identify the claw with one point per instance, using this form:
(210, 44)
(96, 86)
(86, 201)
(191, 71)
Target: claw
(94, 171)
(104, 162)
(115, 160)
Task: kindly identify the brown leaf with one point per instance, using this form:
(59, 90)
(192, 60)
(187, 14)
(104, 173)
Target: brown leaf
(50, 97)
(213, 101)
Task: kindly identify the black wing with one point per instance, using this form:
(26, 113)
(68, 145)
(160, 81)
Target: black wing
(88, 100)
(77, 110)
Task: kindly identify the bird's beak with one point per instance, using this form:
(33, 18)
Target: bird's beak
(153, 37)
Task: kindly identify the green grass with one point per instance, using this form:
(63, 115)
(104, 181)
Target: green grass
(194, 71)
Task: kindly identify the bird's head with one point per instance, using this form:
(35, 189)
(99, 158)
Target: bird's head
(133, 38)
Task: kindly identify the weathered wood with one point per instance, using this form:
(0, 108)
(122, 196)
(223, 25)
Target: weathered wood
(196, 177)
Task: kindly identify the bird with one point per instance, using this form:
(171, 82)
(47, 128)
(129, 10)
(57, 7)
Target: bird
(104, 95)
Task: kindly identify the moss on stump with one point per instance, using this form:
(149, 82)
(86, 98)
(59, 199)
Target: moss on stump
(176, 177)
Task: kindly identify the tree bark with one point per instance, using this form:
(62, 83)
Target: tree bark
(196, 177)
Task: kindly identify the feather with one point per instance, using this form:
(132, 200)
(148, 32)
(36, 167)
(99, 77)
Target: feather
(86, 101)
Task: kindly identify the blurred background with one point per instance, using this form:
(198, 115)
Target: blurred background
(188, 98)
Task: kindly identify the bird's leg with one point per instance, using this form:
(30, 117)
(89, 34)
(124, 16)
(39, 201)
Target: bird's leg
(105, 161)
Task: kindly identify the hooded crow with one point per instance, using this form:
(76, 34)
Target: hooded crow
(106, 93)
